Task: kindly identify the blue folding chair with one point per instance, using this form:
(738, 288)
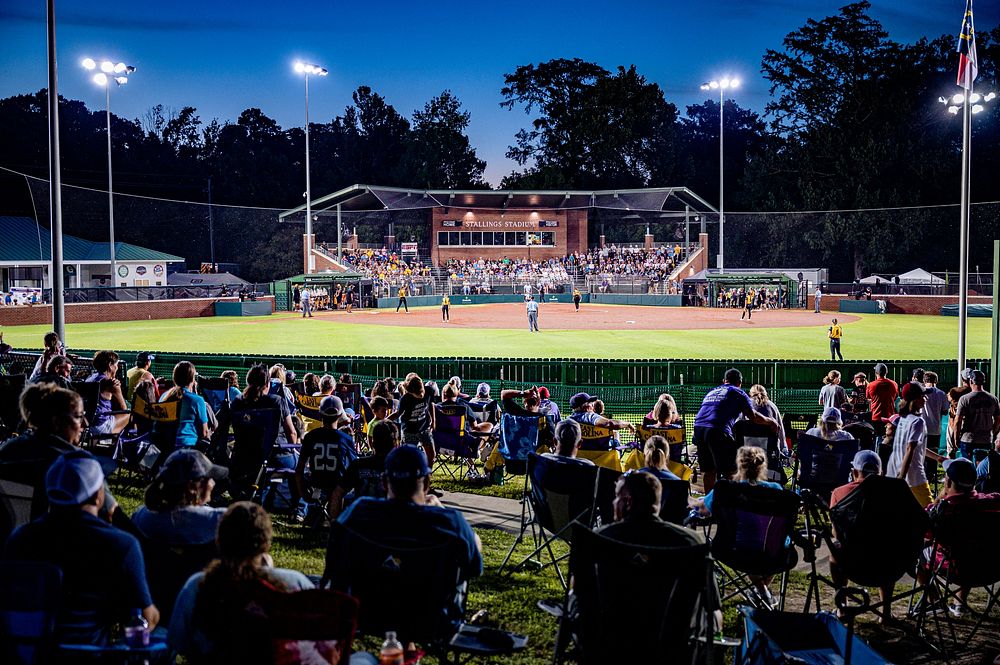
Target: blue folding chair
(255, 432)
(814, 639)
(215, 391)
(821, 465)
(29, 603)
(454, 441)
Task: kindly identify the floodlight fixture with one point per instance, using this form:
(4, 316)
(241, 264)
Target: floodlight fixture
(307, 69)
(722, 84)
(88, 63)
(101, 79)
(107, 67)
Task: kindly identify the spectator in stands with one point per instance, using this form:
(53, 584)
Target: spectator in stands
(256, 397)
(451, 406)
(416, 415)
(53, 347)
(329, 452)
(381, 408)
(59, 371)
(234, 384)
(111, 399)
(582, 405)
(193, 426)
(664, 413)
(832, 394)
(279, 385)
(763, 405)
(865, 463)
(959, 495)
(977, 417)
(546, 405)
(881, 394)
(103, 572)
(364, 477)
(486, 409)
(310, 384)
(176, 510)
(4, 346)
(530, 399)
(568, 437)
(935, 406)
(656, 453)
(909, 445)
(713, 426)
(326, 386)
(408, 512)
(637, 515)
(954, 395)
(986, 481)
(859, 393)
(830, 426)
(208, 622)
(143, 361)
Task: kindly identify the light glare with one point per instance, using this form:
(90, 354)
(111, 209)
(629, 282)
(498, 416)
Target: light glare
(121, 80)
(990, 97)
(299, 67)
(953, 110)
(100, 78)
(119, 68)
(975, 97)
(107, 66)
(958, 98)
(88, 63)
(713, 85)
(734, 83)
(724, 83)
(977, 108)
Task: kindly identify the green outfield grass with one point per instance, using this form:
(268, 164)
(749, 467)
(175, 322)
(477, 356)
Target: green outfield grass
(888, 337)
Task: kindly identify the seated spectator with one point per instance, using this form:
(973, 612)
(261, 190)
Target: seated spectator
(193, 425)
(310, 384)
(568, 437)
(959, 495)
(53, 347)
(176, 510)
(326, 386)
(255, 397)
(278, 385)
(329, 452)
(364, 477)
(531, 402)
(751, 468)
(866, 463)
(451, 406)
(830, 427)
(482, 400)
(409, 513)
(985, 480)
(546, 405)
(457, 382)
(103, 572)
(583, 412)
(207, 625)
(637, 515)
(664, 412)
(234, 384)
(763, 405)
(139, 373)
(59, 371)
(657, 453)
(110, 397)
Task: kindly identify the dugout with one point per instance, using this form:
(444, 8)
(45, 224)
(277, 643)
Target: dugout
(786, 286)
(327, 283)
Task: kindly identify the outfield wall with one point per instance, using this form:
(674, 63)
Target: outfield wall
(458, 299)
(900, 304)
(132, 310)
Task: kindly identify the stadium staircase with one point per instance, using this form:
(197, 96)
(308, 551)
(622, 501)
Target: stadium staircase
(327, 260)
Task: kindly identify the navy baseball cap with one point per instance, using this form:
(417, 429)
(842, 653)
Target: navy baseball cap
(186, 464)
(961, 470)
(579, 399)
(145, 357)
(407, 461)
(73, 478)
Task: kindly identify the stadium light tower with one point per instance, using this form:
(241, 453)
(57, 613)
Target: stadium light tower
(721, 85)
(117, 73)
(306, 69)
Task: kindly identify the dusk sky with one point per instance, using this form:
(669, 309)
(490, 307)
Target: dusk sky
(223, 57)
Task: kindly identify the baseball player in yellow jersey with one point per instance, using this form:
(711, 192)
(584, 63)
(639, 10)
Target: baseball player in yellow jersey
(445, 302)
(402, 300)
(576, 299)
(836, 334)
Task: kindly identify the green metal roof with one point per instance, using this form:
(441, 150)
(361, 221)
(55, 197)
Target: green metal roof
(22, 239)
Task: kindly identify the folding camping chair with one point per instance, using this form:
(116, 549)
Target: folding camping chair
(813, 639)
(863, 432)
(519, 436)
(874, 535)
(754, 525)
(747, 433)
(11, 387)
(308, 406)
(796, 424)
(560, 494)
(29, 604)
(821, 465)
(17, 500)
(600, 446)
(455, 442)
(430, 580)
(168, 568)
(215, 391)
(669, 593)
(255, 432)
(634, 459)
(150, 435)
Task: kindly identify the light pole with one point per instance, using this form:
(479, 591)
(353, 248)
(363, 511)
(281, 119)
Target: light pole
(118, 73)
(306, 69)
(970, 104)
(721, 85)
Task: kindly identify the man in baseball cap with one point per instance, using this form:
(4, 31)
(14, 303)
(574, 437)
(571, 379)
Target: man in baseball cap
(139, 373)
(328, 452)
(583, 413)
(977, 416)
(410, 514)
(546, 405)
(865, 463)
(103, 573)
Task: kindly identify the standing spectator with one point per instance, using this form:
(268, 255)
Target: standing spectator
(935, 406)
(416, 415)
(139, 373)
(977, 417)
(882, 393)
(713, 426)
(103, 571)
(836, 333)
(954, 395)
(193, 425)
(329, 452)
(53, 347)
(297, 298)
(859, 393)
(763, 405)
(909, 445)
(832, 394)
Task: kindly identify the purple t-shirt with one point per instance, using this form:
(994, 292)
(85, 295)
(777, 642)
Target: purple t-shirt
(721, 407)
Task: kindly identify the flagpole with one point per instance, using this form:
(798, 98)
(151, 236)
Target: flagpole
(963, 232)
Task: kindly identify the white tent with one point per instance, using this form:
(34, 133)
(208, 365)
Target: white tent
(874, 279)
(919, 276)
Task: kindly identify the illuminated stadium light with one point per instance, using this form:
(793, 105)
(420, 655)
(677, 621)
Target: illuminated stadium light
(119, 73)
(722, 84)
(977, 102)
(307, 69)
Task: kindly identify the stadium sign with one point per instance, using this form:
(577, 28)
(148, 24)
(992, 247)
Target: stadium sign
(408, 247)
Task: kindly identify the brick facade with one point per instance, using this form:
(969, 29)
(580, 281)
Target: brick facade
(902, 304)
(570, 233)
(135, 310)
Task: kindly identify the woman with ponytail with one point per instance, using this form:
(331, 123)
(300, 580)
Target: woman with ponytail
(256, 396)
(751, 468)
(193, 425)
(657, 454)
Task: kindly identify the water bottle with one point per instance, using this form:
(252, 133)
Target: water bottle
(392, 650)
(137, 630)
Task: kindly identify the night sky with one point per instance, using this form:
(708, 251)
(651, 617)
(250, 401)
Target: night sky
(223, 57)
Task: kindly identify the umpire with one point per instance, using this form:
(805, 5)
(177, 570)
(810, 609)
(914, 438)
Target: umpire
(532, 308)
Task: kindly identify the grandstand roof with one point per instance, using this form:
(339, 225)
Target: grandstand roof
(370, 198)
(24, 240)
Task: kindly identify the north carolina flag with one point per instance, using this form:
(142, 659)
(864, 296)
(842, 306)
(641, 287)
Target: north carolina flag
(967, 69)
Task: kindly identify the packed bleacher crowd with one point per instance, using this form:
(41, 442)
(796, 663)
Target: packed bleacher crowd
(191, 572)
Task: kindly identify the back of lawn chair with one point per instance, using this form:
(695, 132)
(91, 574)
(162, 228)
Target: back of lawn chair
(754, 524)
(822, 465)
(675, 436)
(562, 492)
(11, 387)
(255, 432)
(451, 431)
(599, 446)
(971, 535)
(747, 433)
(215, 391)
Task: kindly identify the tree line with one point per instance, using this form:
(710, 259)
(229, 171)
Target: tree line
(852, 123)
